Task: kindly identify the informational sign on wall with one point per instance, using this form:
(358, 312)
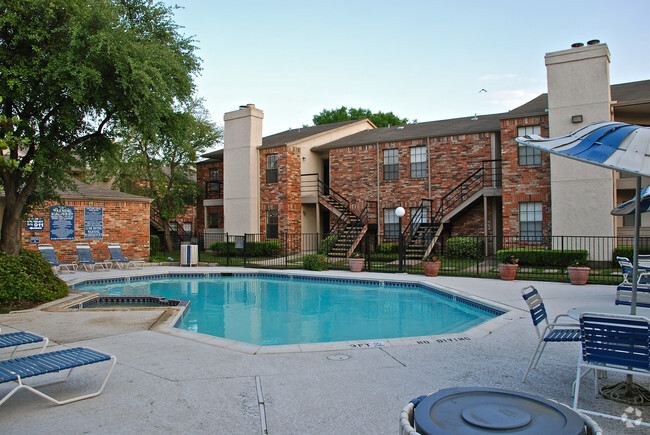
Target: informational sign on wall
(61, 223)
(93, 223)
(35, 224)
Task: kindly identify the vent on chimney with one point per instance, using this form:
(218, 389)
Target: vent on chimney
(593, 42)
(577, 45)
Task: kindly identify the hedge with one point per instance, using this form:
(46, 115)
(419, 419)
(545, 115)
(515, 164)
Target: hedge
(271, 248)
(315, 262)
(465, 247)
(545, 257)
(27, 277)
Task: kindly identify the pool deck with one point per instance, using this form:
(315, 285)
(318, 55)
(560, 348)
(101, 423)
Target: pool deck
(170, 381)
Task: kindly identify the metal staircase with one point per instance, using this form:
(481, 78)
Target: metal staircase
(349, 227)
(424, 228)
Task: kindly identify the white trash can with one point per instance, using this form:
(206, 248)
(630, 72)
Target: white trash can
(189, 255)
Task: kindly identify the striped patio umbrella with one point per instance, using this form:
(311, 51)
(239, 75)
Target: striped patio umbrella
(614, 145)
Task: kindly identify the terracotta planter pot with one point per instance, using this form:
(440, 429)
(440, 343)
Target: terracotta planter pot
(578, 275)
(508, 271)
(356, 264)
(431, 268)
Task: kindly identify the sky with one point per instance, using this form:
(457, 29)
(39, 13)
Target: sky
(421, 60)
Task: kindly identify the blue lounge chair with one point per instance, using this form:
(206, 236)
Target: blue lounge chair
(86, 258)
(612, 343)
(47, 251)
(17, 369)
(16, 339)
(627, 269)
(553, 332)
(624, 296)
(118, 258)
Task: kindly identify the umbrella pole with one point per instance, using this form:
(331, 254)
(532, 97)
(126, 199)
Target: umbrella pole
(637, 234)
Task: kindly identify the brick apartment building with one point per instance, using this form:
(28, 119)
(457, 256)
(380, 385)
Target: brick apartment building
(466, 174)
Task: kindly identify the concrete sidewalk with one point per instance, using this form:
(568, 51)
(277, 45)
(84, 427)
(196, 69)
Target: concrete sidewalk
(182, 383)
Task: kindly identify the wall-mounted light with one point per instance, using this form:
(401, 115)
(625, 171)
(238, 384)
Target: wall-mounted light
(576, 119)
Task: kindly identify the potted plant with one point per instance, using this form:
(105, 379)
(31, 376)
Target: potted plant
(578, 272)
(356, 261)
(431, 265)
(508, 267)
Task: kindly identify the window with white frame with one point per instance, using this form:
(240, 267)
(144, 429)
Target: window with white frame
(418, 162)
(391, 164)
(214, 180)
(272, 168)
(529, 156)
(391, 224)
(530, 221)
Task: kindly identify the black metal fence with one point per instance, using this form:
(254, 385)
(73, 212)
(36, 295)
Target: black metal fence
(474, 256)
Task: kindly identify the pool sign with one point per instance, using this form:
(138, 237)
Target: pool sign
(61, 223)
(93, 223)
(35, 224)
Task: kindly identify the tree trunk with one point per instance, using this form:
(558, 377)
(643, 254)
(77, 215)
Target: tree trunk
(168, 236)
(10, 236)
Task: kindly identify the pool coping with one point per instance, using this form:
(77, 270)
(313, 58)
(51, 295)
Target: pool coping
(171, 316)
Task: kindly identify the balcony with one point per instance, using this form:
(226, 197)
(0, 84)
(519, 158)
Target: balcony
(213, 189)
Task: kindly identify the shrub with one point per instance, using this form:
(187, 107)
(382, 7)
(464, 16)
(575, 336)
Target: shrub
(327, 244)
(465, 247)
(315, 262)
(388, 248)
(154, 244)
(545, 257)
(27, 277)
(271, 248)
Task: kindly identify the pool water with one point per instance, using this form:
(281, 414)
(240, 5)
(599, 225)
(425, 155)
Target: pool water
(291, 310)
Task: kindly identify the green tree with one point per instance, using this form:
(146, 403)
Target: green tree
(380, 119)
(71, 72)
(162, 166)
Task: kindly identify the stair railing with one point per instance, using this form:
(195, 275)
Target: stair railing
(488, 175)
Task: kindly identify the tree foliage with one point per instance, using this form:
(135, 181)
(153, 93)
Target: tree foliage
(380, 119)
(161, 164)
(72, 73)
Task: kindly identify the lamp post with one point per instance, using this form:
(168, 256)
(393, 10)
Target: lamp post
(399, 212)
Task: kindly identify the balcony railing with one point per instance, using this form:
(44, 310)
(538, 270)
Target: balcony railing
(213, 189)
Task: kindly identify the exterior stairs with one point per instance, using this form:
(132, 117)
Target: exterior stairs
(422, 232)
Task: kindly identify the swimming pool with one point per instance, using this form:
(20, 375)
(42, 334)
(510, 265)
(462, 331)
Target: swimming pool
(270, 309)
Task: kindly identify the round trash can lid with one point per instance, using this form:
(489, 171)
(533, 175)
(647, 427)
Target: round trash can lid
(489, 410)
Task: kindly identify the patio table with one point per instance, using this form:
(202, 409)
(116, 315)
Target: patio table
(575, 312)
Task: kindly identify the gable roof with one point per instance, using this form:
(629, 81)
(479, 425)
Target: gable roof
(447, 127)
(89, 191)
(293, 135)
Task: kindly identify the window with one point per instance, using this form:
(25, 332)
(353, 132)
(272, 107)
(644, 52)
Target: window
(418, 162)
(272, 168)
(214, 220)
(529, 156)
(173, 227)
(391, 224)
(187, 227)
(213, 186)
(272, 224)
(391, 167)
(530, 221)
(419, 216)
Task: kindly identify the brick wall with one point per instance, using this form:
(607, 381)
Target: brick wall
(357, 172)
(524, 183)
(283, 196)
(203, 175)
(126, 223)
